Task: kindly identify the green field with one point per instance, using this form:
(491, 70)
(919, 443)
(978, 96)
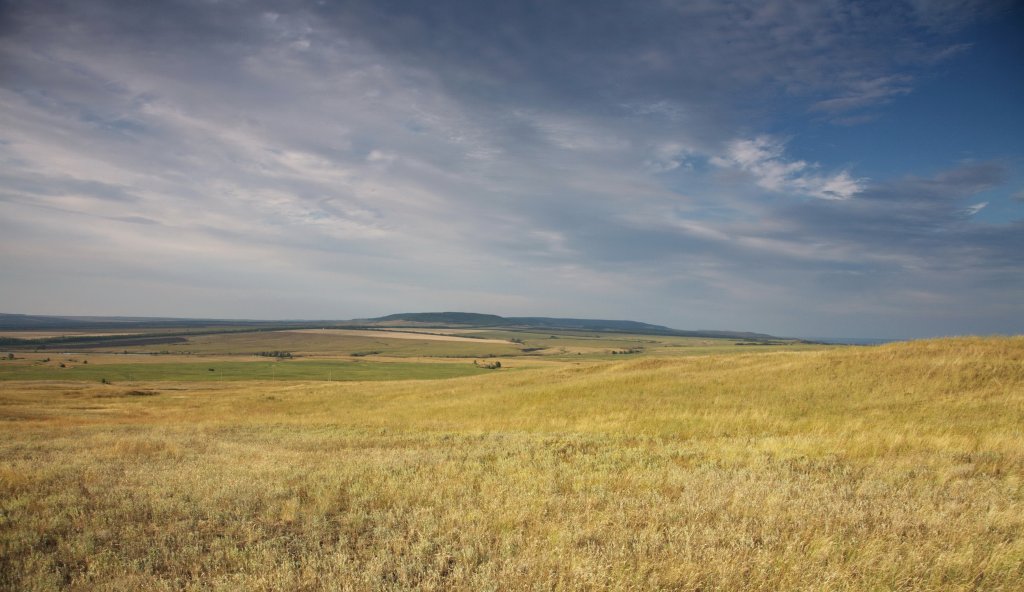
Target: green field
(339, 355)
(556, 344)
(336, 345)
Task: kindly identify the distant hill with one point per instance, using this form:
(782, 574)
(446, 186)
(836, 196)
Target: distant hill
(612, 326)
(446, 318)
(20, 322)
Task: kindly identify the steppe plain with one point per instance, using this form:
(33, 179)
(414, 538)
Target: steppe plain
(588, 461)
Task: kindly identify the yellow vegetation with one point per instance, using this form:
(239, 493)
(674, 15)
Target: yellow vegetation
(888, 468)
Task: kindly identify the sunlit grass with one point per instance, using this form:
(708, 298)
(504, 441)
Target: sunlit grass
(891, 468)
(219, 370)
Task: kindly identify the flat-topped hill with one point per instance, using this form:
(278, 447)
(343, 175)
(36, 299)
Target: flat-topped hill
(471, 319)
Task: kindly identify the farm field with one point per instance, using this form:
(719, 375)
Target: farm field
(897, 467)
(437, 343)
(345, 354)
(415, 335)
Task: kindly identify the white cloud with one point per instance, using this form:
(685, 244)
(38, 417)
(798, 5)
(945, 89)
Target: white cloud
(380, 156)
(668, 156)
(764, 158)
(972, 210)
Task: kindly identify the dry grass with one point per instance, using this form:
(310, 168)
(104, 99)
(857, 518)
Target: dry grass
(890, 468)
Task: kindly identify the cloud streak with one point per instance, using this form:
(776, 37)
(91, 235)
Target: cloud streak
(764, 159)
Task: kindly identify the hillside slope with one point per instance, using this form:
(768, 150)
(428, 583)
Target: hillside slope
(470, 319)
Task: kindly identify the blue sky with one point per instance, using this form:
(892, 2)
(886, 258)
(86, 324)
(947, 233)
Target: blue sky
(797, 168)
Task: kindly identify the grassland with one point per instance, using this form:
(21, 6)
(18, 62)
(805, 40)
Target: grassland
(219, 369)
(329, 344)
(898, 467)
(555, 344)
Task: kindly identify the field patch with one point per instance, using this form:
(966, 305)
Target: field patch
(423, 336)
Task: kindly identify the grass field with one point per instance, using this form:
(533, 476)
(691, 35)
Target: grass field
(330, 344)
(219, 370)
(475, 343)
(898, 467)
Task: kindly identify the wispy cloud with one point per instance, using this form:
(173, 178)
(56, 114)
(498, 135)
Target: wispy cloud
(348, 159)
(866, 93)
(974, 209)
(764, 158)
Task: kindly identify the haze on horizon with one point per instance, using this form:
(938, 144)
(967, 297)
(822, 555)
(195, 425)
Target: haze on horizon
(793, 168)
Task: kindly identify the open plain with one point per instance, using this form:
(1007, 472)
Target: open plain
(896, 467)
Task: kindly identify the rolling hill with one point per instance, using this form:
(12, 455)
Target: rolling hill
(20, 322)
(471, 319)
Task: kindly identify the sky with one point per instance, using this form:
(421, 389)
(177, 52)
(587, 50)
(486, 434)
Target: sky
(827, 168)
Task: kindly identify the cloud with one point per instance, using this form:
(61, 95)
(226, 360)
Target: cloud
(668, 156)
(37, 185)
(866, 93)
(913, 223)
(380, 156)
(950, 15)
(135, 220)
(957, 183)
(348, 159)
(764, 158)
(972, 210)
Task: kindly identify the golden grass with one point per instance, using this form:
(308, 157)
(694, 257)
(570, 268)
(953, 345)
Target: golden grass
(891, 468)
